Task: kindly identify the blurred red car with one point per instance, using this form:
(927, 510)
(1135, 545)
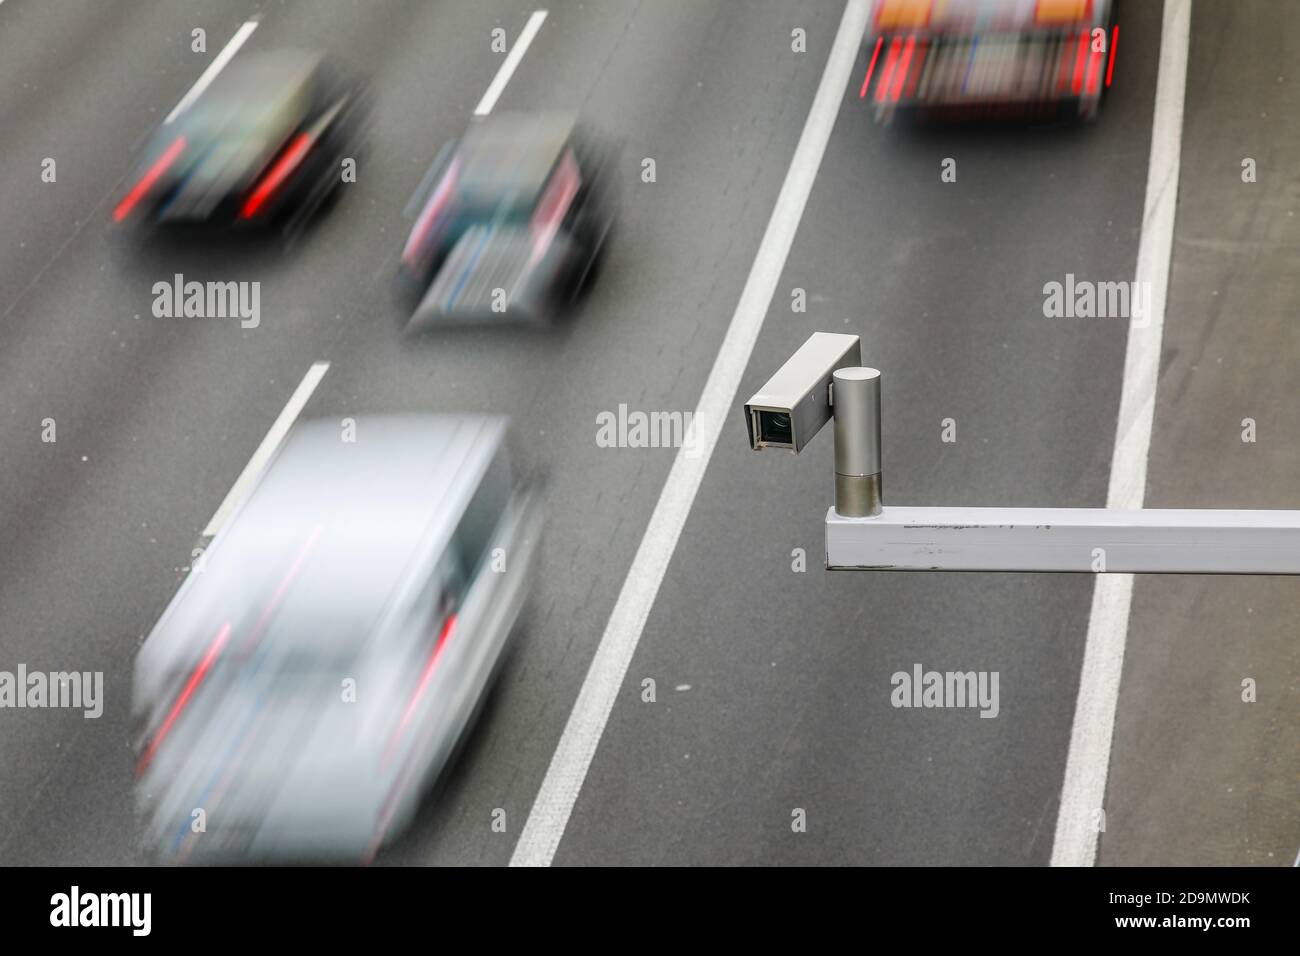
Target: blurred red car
(960, 59)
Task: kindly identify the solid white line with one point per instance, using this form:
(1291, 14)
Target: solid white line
(215, 67)
(568, 768)
(512, 61)
(270, 443)
(1084, 790)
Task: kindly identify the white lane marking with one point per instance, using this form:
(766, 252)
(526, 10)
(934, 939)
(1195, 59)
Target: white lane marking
(270, 443)
(512, 61)
(1083, 792)
(550, 812)
(215, 67)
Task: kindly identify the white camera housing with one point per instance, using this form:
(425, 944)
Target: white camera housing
(796, 402)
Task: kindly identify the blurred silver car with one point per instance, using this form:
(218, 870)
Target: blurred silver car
(320, 663)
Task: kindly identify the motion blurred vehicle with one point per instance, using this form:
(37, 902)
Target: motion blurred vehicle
(262, 145)
(510, 221)
(989, 59)
(319, 665)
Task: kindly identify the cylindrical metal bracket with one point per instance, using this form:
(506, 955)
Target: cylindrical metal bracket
(855, 401)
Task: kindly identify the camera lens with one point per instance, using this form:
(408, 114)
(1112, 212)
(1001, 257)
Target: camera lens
(774, 427)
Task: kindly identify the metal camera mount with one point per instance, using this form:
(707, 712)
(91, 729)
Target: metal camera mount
(862, 533)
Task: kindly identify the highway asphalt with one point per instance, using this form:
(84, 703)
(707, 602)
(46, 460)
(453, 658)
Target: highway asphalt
(773, 686)
(1202, 776)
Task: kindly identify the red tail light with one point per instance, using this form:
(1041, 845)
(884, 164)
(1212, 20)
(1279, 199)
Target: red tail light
(196, 678)
(1094, 71)
(448, 627)
(276, 175)
(891, 61)
(146, 183)
(901, 73)
(553, 206)
(871, 69)
(1081, 57)
(438, 202)
(1114, 41)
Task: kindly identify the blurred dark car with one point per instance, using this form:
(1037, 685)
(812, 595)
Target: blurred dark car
(989, 59)
(263, 145)
(319, 666)
(510, 220)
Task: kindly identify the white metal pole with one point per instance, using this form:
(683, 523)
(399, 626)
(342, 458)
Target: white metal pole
(1098, 540)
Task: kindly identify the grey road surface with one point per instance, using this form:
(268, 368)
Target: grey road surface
(1206, 766)
(773, 686)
